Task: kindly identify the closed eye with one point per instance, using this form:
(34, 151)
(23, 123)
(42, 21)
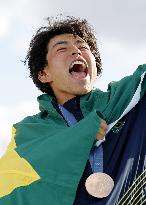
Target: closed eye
(84, 48)
(62, 49)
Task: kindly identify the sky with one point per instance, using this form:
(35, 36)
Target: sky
(120, 28)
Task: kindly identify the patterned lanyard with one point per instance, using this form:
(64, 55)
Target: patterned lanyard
(96, 154)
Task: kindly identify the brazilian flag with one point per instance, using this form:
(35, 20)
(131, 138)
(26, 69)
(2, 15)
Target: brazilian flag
(41, 168)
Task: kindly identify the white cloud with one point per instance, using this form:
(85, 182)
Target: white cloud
(9, 10)
(4, 26)
(119, 60)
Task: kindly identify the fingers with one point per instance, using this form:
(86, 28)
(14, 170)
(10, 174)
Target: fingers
(102, 130)
(103, 124)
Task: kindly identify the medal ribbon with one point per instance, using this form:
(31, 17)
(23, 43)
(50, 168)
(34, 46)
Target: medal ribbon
(96, 154)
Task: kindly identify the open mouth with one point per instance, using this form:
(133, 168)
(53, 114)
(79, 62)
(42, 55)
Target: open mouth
(78, 69)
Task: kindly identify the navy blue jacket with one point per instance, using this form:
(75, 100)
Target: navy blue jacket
(124, 159)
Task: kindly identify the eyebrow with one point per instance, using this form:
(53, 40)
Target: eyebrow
(80, 41)
(66, 42)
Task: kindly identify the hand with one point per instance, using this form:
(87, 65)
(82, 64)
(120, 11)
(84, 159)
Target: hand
(102, 130)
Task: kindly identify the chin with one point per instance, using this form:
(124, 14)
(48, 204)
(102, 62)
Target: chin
(83, 92)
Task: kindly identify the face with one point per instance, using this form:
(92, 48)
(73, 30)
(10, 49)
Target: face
(71, 68)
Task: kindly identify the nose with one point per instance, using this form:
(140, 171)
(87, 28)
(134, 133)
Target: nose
(76, 51)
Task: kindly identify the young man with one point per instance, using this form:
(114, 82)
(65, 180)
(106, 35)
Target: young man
(58, 156)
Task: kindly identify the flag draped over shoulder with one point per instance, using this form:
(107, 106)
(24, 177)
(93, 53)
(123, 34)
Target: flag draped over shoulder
(40, 168)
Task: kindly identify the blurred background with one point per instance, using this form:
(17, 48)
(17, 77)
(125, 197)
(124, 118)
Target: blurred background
(120, 28)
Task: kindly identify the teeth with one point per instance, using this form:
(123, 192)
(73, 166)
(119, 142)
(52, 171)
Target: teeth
(77, 63)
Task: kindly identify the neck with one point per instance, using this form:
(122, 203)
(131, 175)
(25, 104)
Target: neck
(63, 99)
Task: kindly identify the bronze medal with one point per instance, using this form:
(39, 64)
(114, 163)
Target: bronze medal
(99, 185)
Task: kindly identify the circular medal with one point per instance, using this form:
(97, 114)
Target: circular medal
(99, 185)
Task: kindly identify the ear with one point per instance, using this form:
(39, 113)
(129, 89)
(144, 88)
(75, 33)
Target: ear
(44, 77)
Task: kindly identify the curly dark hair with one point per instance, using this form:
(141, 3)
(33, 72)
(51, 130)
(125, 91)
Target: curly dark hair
(36, 55)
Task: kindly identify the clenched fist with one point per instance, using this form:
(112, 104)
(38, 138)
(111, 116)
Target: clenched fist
(102, 130)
